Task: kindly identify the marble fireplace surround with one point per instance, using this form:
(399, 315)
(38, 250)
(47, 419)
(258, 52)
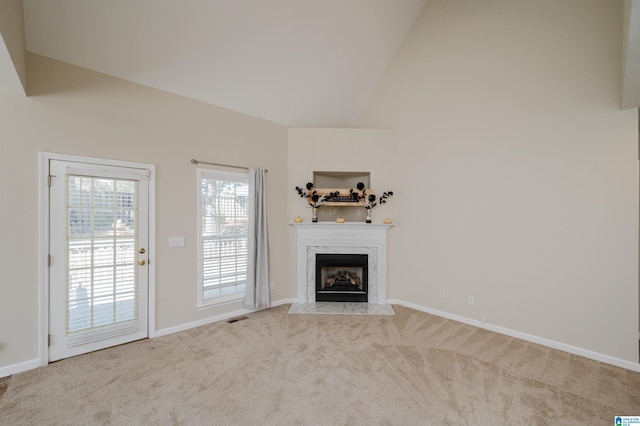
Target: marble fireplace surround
(336, 238)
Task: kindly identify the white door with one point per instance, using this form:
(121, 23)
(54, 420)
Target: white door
(98, 274)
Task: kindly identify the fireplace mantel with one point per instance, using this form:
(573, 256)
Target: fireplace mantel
(331, 237)
(335, 225)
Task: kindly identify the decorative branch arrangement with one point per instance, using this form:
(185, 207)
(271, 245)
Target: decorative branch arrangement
(314, 199)
(369, 201)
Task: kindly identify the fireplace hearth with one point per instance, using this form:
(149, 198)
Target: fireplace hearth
(342, 277)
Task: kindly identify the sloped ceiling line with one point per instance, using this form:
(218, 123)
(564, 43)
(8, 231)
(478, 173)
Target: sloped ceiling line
(301, 63)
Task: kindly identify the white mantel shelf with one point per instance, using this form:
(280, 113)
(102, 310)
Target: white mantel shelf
(330, 224)
(348, 238)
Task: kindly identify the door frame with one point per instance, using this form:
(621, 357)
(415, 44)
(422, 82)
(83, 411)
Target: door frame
(43, 243)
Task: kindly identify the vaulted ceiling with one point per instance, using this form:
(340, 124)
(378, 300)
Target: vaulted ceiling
(301, 63)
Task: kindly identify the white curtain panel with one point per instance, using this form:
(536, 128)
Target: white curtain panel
(257, 291)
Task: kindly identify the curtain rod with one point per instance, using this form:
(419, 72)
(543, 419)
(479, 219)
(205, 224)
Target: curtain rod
(196, 162)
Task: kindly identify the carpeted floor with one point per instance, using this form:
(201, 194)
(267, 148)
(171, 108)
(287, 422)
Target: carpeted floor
(4, 384)
(274, 368)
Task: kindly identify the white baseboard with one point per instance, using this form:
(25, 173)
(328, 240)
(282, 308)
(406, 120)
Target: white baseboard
(607, 359)
(35, 363)
(204, 321)
(210, 320)
(436, 312)
(19, 367)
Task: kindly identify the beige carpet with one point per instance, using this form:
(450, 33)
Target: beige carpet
(279, 369)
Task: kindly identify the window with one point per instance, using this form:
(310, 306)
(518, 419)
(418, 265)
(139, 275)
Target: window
(224, 235)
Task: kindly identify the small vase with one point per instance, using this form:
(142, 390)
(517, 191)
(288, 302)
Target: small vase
(314, 218)
(368, 215)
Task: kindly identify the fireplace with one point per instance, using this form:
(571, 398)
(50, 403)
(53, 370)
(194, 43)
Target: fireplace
(342, 239)
(341, 277)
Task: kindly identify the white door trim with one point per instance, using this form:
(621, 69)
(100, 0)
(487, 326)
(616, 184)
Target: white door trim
(43, 243)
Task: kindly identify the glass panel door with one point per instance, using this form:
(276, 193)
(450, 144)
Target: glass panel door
(98, 285)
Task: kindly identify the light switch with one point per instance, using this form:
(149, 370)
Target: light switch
(176, 241)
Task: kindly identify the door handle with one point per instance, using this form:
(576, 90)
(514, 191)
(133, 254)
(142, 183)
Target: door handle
(141, 262)
(142, 251)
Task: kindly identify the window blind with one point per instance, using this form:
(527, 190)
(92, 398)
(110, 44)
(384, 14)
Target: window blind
(224, 235)
(102, 217)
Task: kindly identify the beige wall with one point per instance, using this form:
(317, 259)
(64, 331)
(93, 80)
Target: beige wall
(74, 111)
(520, 170)
(13, 65)
(343, 150)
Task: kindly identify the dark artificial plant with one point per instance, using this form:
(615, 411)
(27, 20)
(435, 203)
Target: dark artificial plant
(369, 201)
(314, 199)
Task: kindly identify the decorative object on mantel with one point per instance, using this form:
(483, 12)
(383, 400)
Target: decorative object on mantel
(298, 219)
(314, 199)
(387, 221)
(340, 220)
(369, 201)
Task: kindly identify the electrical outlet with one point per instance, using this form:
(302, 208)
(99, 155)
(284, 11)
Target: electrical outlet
(470, 300)
(272, 285)
(442, 294)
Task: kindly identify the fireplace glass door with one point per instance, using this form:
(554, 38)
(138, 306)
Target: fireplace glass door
(341, 277)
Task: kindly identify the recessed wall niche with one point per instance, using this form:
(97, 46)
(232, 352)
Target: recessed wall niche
(340, 179)
(336, 180)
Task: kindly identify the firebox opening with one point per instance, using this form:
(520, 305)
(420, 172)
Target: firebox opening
(341, 277)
